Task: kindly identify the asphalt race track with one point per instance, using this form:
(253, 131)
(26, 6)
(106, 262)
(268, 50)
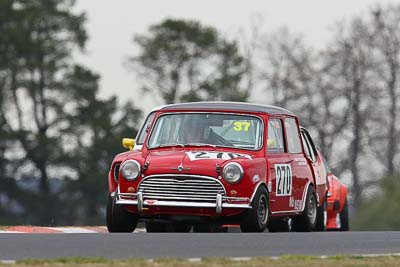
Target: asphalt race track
(195, 245)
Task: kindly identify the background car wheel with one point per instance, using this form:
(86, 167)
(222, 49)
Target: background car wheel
(180, 227)
(209, 228)
(344, 217)
(155, 227)
(306, 222)
(118, 219)
(281, 225)
(160, 227)
(256, 219)
(322, 216)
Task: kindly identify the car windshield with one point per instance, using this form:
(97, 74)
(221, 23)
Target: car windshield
(207, 129)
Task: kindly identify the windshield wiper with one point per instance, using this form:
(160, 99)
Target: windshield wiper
(185, 145)
(170, 145)
(200, 144)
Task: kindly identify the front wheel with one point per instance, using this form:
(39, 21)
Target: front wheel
(256, 219)
(344, 217)
(306, 222)
(118, 219)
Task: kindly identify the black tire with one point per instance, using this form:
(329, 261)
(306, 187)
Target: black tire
(209, 228)
(307, 220)
(118, 219)
(155, 227)
(180, 227)
(322, 216)
(159, 227)
(281, 225)
(256, 219)
(344, 217)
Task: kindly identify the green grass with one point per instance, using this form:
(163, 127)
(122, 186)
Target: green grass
(284, 261)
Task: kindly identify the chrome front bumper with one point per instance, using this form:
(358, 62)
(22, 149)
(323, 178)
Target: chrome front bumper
(220, 202)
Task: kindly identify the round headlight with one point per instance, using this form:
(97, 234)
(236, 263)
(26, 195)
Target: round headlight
(233, 172)
(130, 170)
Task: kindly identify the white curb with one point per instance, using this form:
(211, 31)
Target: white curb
(72, 230)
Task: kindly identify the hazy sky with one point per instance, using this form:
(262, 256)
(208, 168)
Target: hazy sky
(112, 24)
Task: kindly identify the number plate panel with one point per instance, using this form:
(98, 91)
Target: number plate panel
(284, 179)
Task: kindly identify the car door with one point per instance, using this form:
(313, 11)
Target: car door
(301, 173)
(316, 163)
(280, 168)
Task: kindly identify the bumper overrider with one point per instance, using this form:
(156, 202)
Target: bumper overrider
(190, 191)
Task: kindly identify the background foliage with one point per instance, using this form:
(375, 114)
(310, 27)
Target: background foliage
(380, 211)
(58, 137)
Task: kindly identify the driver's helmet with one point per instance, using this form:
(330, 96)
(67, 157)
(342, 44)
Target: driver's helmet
(197, 130)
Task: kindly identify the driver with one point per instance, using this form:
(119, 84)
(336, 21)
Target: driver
(197, 133)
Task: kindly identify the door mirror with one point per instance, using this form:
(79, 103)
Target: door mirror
(128, 143)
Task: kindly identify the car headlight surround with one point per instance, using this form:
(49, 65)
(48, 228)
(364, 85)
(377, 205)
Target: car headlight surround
(233, 172)
(130, 170)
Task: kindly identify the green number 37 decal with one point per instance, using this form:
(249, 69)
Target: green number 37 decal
(239, 126)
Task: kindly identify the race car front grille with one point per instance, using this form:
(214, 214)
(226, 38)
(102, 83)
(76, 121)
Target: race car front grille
(181, 188)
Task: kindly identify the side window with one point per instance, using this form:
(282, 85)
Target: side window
(142, 132)
(275, 142)
(293, 137)
(309, 145)
(326, 165)
(305, 145)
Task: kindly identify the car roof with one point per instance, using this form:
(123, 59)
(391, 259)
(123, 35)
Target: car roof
(223, 106)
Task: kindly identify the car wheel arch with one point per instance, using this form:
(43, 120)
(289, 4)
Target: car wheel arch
(257, 187)
(305, 192)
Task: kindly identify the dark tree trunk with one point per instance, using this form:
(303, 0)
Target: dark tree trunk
(392, 132)
(355, 146)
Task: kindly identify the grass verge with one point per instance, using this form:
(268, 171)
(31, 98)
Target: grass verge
(284, 261)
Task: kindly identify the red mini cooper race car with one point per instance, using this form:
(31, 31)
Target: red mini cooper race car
(208, 164)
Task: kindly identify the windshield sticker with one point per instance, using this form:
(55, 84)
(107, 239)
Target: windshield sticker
(196, 155)
(239, 126)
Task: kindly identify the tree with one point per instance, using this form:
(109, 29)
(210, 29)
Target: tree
(286, 68)
(37, 40)
(355, 70)
(186, 61)
(55, 131)
(368, 54)
(332, 90)
(385, 24)
(96, 130)
(38, 36)
(225, 83)
(296, 77)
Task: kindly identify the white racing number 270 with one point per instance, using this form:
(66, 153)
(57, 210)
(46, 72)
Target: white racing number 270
(284, 179)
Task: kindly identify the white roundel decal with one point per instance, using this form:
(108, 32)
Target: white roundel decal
(196, 155)
(284, 179)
